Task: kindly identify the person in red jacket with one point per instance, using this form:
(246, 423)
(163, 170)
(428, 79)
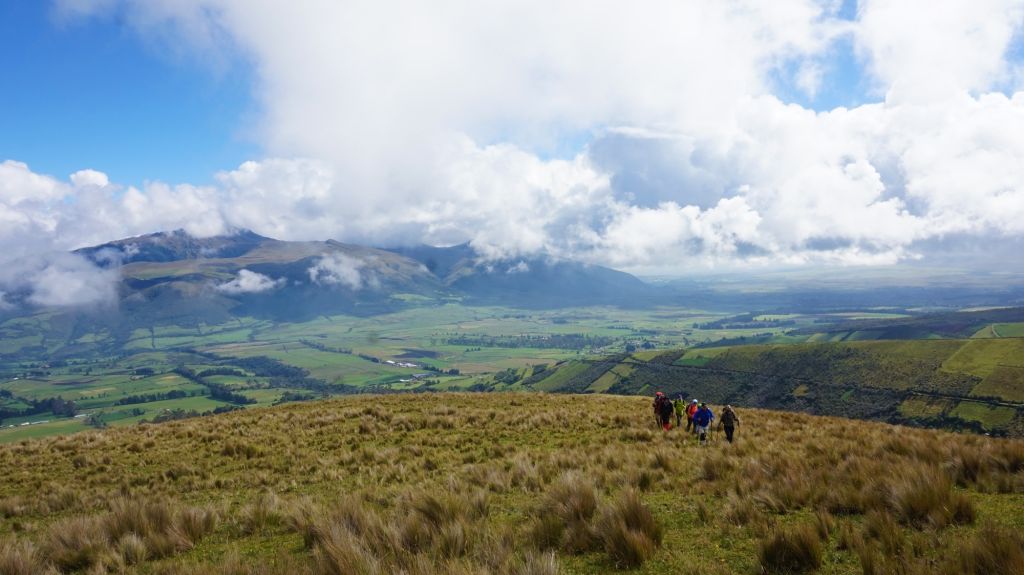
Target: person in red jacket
(690, 410)
(663, 410)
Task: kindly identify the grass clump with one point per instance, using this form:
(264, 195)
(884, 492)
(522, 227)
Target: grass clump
(565, 516)
(628, 530)
(991, 550)
(790, 550)
(22, 558)
(925, 497)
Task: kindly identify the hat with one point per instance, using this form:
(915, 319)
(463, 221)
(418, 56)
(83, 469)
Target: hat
(659, 393)
(695, 401)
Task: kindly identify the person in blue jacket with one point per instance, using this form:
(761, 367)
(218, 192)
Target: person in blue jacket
(702, 421)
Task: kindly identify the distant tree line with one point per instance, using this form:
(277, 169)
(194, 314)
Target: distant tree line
(327, 348)
(744, 321)
(178, 413)
(58, 406)
(217, 390)
(148, 397)
(221, 371)
(553, 341)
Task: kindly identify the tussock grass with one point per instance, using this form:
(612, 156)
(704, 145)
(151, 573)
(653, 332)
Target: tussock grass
(628, 530)
(991, 550)
(506, 484)
(22, 558)
(790, 550)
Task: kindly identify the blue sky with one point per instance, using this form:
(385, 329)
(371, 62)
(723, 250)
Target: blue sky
(89, 94)
(664, 135)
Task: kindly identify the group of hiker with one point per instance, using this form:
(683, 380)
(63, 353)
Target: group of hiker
(699, 417)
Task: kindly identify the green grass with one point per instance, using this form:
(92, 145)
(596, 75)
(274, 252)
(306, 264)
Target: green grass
(981, 356)
(1006, 382)
(611, 377)
(55, 426)
(561, 376)
(992, 417)
(924, 407)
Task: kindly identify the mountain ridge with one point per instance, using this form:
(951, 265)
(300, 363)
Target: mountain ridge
(249, 273)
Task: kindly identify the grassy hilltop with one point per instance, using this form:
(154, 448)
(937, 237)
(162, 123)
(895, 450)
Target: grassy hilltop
(508, 483)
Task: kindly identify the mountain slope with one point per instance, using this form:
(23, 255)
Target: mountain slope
(974, 384)
(530, 282)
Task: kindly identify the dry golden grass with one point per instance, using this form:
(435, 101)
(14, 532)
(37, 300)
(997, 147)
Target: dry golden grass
(508, 484)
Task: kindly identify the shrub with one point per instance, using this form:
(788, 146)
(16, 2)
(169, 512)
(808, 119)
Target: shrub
(790, 550)
(628, 531)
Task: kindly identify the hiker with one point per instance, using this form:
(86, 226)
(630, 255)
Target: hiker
(663, 410)
(690, 410)
(680, 407)
(657, 407)
(729, 421)
(702, 421)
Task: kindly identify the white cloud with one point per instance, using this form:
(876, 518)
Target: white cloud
(339, 269)
(439, 126)
(59, 279)
(83, 178)
(250, 282)
(919, 53)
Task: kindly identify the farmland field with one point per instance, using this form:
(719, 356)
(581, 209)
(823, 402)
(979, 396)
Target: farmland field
(456, 347)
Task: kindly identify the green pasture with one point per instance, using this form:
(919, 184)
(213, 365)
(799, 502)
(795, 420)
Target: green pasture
(611, 377)
(981, 356)
(997, 330)
(52, 427)
(924, 407)
(1005, 381)
(992, 417)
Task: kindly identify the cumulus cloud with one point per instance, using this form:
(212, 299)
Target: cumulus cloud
(58, 279)
(339, 269)
(250, 282)
(446, 126)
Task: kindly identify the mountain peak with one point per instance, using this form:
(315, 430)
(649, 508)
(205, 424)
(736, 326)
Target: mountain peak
(173, 245)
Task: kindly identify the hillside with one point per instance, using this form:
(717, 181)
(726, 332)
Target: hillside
(974, 384)
(508, 483)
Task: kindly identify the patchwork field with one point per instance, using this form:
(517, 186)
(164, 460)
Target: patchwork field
(117, 376)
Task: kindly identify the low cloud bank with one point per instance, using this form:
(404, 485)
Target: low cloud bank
(250, 282)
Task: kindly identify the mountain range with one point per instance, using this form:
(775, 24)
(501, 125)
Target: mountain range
(172, 276)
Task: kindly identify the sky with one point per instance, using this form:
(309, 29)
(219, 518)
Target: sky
(658, 136)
